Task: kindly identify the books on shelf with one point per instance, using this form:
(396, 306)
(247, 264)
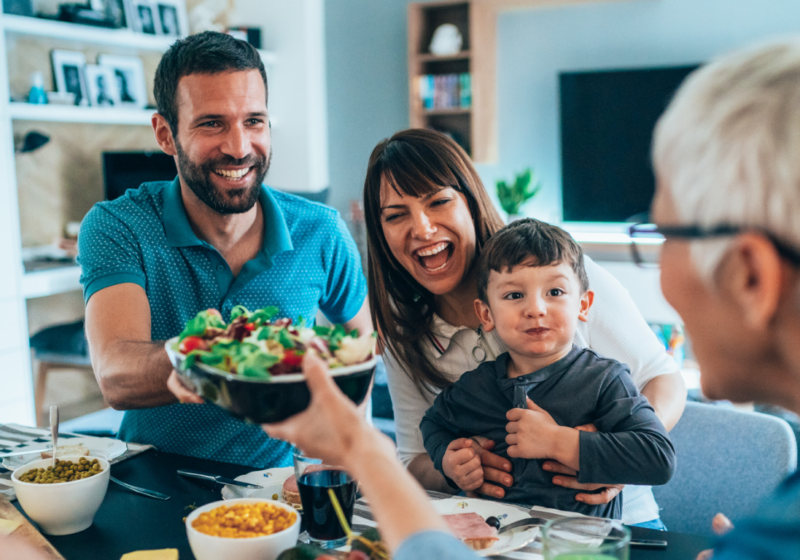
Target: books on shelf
(445, 91)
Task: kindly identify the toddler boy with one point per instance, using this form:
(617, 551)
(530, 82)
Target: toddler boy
(532, 288)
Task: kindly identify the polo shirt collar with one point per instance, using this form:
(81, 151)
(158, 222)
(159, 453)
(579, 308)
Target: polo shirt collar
(180, 234)
(501, 370)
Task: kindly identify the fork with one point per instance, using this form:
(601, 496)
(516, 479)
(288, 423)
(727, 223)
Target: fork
(139, 490)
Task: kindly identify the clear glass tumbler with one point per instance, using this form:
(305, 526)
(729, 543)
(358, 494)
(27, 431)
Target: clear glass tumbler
(586, 538)
(314, 478)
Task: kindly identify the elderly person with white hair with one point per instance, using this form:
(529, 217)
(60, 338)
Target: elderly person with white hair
(727, 161)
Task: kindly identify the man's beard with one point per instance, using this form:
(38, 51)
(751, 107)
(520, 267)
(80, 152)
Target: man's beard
(229, 201)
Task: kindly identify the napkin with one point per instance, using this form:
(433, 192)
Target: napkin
(163, 554)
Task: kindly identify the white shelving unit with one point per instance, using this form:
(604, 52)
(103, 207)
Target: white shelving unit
(16, 286)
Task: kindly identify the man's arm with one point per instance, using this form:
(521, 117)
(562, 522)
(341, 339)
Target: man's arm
(131, 369)
(667, 396)
(362, 320)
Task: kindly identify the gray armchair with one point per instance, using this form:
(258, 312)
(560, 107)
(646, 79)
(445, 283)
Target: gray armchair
(728, 461)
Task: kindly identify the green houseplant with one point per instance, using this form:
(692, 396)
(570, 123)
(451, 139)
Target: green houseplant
(512, 196)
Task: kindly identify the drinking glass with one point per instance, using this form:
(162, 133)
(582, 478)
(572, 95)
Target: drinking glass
(586, 538)
(314, 478)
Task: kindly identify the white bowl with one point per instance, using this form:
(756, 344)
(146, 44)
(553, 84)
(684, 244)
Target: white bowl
(206, 547)
(64, 508)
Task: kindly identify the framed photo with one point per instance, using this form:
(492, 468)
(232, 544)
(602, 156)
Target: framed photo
(128, 72)
(172, 16)
(145, 17)
(68, 69)
(114, 10)
(102, 86)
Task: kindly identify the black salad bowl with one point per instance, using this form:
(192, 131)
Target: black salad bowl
(264, 401)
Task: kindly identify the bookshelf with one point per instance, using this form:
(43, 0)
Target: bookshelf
(465, 111)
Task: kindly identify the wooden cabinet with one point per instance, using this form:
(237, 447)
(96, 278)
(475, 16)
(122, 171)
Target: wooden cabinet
(454, 93)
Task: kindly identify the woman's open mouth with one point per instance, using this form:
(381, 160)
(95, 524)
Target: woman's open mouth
(233, 174)
(435, 257)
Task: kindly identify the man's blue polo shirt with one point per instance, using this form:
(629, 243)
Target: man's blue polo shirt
(308, 261)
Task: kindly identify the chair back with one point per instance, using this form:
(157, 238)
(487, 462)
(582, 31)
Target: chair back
(728, 461)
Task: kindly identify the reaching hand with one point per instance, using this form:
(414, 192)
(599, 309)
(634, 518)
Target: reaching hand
(532, 433)
(331, 426)
(463, 465)
(496, 469)
(721, 525)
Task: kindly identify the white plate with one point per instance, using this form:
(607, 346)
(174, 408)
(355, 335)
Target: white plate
(271, 479)
(485, 508)
(106, 448)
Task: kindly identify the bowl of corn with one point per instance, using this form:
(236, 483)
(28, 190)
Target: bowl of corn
(245, 529)
(63, 500)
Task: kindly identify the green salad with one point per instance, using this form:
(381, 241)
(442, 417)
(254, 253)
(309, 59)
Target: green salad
(258, 346)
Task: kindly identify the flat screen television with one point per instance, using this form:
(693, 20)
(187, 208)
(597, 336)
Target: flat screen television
(128, 170)
(607, 122)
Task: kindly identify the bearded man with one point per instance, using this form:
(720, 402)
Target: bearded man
(215, 237)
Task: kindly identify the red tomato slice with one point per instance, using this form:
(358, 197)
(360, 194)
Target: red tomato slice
(292, 359)
(192, 343)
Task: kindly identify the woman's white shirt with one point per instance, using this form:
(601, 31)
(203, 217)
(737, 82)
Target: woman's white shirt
(615, 328)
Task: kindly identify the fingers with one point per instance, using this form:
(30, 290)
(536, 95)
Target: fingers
(721, 524)
(601, 498)
(489, 459)
(533, 406)
(177, 388)
(496, 475)
(491, 490)
(705, 555)
(512, 439)
(460, 443)
(586, 428)
(514, 450)
(486, 443)
(316, 373)
(556, 467)
(472, 481)
(512, 427)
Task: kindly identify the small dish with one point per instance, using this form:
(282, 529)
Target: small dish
(271, 481)
(65, 508)
(269, 547)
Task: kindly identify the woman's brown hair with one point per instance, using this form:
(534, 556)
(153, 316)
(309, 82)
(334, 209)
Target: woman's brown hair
(415, 162)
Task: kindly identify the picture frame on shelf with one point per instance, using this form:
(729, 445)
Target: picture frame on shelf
(102, 86)
(68, 70)
(172, 17)
(116, 11)
(128, 74)
(144, 14)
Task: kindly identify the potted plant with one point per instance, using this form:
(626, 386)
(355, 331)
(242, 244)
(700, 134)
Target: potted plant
(513, 196)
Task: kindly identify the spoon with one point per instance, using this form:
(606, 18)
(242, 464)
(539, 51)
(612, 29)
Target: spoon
(54, 431)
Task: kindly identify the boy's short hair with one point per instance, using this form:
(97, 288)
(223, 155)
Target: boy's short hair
(208, 52)
(525, 240)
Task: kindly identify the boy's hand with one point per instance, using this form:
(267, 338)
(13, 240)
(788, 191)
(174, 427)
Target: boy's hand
(462, 465)
(532, 433)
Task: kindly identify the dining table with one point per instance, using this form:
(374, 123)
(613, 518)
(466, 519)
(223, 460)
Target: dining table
(127, 521)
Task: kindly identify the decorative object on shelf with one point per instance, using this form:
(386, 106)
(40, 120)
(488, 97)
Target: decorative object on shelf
(144, 15)
(84, 15)
(31, 142)
(68, 68)
(172, 17)
(129, 75)
(513, 196)
(446, 40)
(18, 7)
(115, 11)
(209, 15)
(60, 98)
(445, 91)
(250, 34)
(102, 86)
(36, 95)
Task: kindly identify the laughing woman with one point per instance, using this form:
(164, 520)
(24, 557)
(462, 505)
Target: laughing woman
(428, 215)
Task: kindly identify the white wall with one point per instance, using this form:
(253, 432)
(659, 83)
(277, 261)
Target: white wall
(294, 31)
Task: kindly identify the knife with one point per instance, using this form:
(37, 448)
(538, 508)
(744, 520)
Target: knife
(25, 452)
(216, 478)
(537, 521)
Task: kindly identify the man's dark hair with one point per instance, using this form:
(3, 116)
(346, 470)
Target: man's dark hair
(532, 243)
(205, 53)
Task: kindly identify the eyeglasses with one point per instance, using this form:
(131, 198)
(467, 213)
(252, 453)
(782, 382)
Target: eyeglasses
(651, 234)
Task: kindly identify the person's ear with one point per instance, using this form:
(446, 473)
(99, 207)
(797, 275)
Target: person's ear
(163, 134)
(484, 313)
(587, 299)
(752, 278)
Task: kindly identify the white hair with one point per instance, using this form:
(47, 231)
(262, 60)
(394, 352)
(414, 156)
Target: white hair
(728, 147)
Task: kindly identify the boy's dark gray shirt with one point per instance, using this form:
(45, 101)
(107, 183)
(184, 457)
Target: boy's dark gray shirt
(631, 447)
